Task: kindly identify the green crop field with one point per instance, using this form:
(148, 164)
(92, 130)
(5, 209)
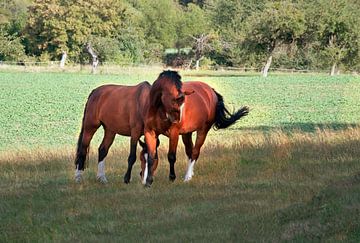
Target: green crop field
(42, 110)
(290, 171)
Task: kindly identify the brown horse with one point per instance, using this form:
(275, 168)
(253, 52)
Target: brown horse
(120, 110)
(178, 108)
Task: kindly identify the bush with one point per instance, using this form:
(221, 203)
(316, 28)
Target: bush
(107, 49)
(11, 48)
(177, 60)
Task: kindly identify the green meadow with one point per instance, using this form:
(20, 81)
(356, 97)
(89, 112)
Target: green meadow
(289, 171)
(44, 110)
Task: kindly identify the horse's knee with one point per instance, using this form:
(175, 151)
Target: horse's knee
(171, 158)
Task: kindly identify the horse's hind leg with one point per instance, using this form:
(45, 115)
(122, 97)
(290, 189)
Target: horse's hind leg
(103, 151)
(187, 140)
(200, 139)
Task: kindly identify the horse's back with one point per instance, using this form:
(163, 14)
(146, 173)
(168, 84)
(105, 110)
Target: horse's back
(117, 107)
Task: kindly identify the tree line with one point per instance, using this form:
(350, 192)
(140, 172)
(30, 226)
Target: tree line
(299, 34)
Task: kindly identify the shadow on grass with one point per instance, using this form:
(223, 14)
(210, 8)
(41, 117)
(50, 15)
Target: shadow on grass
(332, 215)
(303, 127)
(239, 193)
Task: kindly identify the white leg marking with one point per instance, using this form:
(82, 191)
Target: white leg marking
(190, 170)
(146, 169)
(101, 172)
(78, 177)
(181, 110)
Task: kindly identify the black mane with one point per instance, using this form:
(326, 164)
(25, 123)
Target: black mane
(173, 76)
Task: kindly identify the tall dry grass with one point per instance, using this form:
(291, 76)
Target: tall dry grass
(250, 186)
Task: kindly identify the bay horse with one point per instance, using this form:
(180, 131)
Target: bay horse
(119, 110)
(178, 108)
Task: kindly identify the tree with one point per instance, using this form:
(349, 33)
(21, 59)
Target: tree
(336, 27)
(11, 48)
(158, 22)
(228, 18)
(193, 30)
(13, 13)
(281, 22)
(131, 37)
(55, 26)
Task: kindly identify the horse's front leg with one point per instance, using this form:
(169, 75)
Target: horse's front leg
(150, 139)
(173, 142)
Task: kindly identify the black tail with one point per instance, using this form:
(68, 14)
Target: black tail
(80, 157)
(223, 117)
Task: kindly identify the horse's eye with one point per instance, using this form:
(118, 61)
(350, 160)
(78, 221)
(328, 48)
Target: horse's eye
(180, 99)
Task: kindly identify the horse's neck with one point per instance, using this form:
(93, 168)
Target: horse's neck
(157, 120)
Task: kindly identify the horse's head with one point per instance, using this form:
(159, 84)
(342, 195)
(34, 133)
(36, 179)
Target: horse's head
(167, 92)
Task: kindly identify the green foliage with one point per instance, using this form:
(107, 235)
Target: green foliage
(11, 48)
(281, 22)
(106, 48)
(338, 33)
(299, 34)
(158, 22)
(191, 23)
(56, 26)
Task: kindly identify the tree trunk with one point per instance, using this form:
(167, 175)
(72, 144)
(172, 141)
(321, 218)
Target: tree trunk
(63, 59)
(267, 67)
(333, 69)
(95, 60)
(197, 64)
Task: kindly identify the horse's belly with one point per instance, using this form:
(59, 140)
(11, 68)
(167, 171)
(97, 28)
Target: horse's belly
(123, 130)
(190, 126)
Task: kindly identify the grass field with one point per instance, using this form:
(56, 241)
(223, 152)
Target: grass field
(289, 171)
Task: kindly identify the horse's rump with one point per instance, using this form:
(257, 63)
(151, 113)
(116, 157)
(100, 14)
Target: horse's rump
(199, 107)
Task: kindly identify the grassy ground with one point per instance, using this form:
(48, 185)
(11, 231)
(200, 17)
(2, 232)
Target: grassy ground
(275, 187)
(287, 172)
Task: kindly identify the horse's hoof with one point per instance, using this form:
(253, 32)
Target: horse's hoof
(187, 178)
(172, 177)
(149, 181)
(102, 179)
(78, 179)
(126, 179)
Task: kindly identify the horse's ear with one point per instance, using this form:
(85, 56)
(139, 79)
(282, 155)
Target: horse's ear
(189, 92)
